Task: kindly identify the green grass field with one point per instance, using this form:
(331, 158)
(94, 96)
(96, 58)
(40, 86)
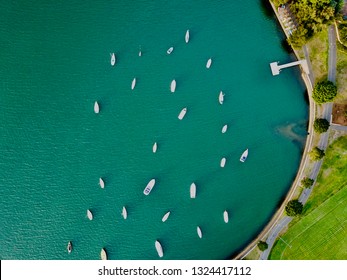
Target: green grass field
(321, 233)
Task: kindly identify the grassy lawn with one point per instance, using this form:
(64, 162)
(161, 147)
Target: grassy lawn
(341, 74)
(318, 51)
(322, 231)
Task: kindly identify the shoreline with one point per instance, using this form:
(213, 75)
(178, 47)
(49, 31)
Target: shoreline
(308, 145)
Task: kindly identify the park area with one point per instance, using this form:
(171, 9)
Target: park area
(321, 232)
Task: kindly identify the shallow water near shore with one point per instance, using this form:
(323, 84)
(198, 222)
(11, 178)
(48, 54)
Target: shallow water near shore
(55, 64)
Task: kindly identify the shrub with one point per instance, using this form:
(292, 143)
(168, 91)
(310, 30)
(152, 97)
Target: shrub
(316, 154)
(294, 208)
(324, 92)
(307, 182)
(262, 245)
(321, 125)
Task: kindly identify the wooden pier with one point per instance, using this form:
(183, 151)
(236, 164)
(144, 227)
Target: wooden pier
(276, 69)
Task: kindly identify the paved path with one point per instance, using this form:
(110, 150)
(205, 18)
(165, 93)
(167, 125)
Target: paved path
(323, 141)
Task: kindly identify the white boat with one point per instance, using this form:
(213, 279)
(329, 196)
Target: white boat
(209, 62)
(89, 214)
(124, 213)
(222, 162)
(149, 187)
(192, 190)
(187, 36)
(113, 59)
(133, 83)
(69, 247)
(165, 217)
(103, 254)
(173, 86)
(198, 229)
(101, 183)
(155, 147)
(169, 50)
(182, 113)
(226, 216)
(221, 97)
(96, 107)
(224, 129)
(244, 156)
(159, 249)
(140, 53)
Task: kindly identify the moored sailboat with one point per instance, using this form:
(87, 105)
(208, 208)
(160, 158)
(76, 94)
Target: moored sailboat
(166, 216)
(124, 213)
(113, 59)
(198, 229)
(159, 249)
(222, 162)
(192, 190)
(149, 187)
(244, 156)
(226, 216)
(96, 107)
(169, 50)
(133, 83)
(182, 113)
(101, 183)
(209, 62)
(186, 38)
(173, 86)
(103, 254)
(89, 214)
(155, 147)
(221, 97)
(224, 128)
(69, 247)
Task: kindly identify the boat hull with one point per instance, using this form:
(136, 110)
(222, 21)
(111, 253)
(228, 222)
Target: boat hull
(159, 249)
(182, 113)
(208, 64)
(173, 86)
(192, 190)
(244, 156)
(149, 187)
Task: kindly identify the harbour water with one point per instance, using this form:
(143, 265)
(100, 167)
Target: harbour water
(55, 64)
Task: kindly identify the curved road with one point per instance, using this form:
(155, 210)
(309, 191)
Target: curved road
(323, 141)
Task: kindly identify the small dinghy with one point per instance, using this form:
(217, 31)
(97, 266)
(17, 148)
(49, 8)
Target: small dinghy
(159, 249)
(186, 37)
(226, 216)
(101, 183)
(166, 216)
(208, 64)
(89, 214)
(113, 59)
(182, 113)
(198, 229)
(222, 162)
(103, 254)
(192, 190)
(221, 97)
(244, 156)
(96, 107)
(169, 50)
(224, 129)
(155, 147)
(124, 213)
(173, 86)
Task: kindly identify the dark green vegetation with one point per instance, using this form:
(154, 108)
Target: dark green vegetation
(324, 91)
(321, 230)
(262, 245)
(343, 34)
(321, 125)
(294, 208)
(307, 182)
(311, 16)
(316, 154)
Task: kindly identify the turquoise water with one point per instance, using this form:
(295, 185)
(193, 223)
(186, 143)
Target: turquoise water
(55, 63)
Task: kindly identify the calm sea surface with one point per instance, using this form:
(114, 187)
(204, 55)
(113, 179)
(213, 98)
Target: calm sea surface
(55, 63)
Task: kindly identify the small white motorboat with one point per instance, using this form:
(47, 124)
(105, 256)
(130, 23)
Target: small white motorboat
(226, 216)
(182, 113)
(96, 107)
(187, 36)
(221, 97)
(192, 190)
(244, 156)
(155, 147)
(173, 86)
(149, 187)
(166, 216)
(113, 59)
(101, 183)
(159, 249)
(69, 247)
(224, 129)
(140, 53)
(89, 214)
(209, 62)
(133, 83)
(169, 50)
(124, 213)
(103, 254)
(222, 162)
(198, 229)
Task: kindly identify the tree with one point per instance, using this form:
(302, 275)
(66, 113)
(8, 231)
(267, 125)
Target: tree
(294, 208)
(321, 125)
(324, 92)
(307, 182)
(316, 154)
(262, 245)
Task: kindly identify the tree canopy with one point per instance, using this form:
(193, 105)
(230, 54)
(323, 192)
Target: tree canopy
(311, 16)
(294, 208)
(321, 125)
(262, 245)
(316, 154)
(324, 91)
(307, 182)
